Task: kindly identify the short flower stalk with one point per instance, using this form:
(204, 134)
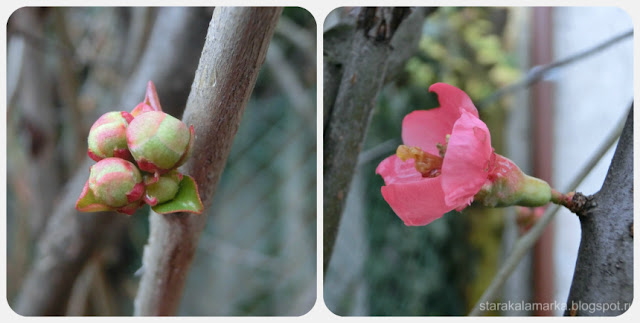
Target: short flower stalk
(447, 162)
(138, 154)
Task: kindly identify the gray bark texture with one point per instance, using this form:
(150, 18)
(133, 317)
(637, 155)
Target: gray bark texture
(603, 278)
(357, 59)
(235, 48)
(71, 237)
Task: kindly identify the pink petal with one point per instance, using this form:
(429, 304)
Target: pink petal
(417, 203)
(465, 165)
(140, 109)
(415, 199)
(452, 98)
(426, 128)
(151, 97)
(394, 171)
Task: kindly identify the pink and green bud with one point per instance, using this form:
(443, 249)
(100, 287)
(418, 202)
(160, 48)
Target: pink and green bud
(107, 137)
(161, 189)
(151, 101)
(114, 185)
(140, 109)
(159, 142)
(508, 185)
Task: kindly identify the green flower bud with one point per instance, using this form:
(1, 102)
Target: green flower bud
(508, 185)
(114, 185)
(159, 142)
(161, 189)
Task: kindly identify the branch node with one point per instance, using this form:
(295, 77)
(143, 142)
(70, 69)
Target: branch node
(581, 204)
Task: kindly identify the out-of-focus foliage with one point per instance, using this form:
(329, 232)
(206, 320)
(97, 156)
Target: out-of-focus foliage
(257, 254)
(438, 269)
(465, 47)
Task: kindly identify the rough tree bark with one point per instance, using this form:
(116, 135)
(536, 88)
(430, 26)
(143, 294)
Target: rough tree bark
(604, 268)
(70, 237)
(360, 71)
(234, 50)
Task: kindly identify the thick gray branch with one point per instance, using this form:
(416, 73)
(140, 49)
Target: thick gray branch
(234, 51)
(604, 268)
(363, 75)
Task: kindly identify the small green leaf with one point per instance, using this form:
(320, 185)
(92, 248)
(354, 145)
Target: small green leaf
(88, 202)
(187, 199)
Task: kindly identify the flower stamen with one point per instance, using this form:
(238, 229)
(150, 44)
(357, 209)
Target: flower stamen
(427, 164)
(442, 148)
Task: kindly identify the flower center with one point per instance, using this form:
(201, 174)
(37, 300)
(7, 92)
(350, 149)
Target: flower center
(427, 164)
(442, 148)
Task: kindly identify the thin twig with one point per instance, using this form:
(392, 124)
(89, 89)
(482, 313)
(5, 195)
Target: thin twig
(68, 88)
(529, 239)
(377, 151)
(299, 37)
(47, 45)
(537, 73)
(285, 76)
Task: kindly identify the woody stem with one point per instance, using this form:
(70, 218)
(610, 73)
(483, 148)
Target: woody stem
(577, 203)
(561, 199)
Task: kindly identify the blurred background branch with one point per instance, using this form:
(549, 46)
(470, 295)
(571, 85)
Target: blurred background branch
(538, 73)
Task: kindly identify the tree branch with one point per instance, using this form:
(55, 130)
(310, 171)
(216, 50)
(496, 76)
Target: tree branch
(529, 239)
(604, 268)
(234, 51)
(350, 115)
(67, 242)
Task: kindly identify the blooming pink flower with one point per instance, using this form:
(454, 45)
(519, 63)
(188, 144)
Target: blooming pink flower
(453, 133)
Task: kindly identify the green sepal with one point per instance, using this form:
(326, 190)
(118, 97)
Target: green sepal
(88, 201)
(186, 200)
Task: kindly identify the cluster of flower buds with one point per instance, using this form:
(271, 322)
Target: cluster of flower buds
(137, 157)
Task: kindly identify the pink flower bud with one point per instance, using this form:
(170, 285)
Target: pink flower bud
(114, 185)
(159, 142)
(107, 136)
(140, 109)
(151, 101)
